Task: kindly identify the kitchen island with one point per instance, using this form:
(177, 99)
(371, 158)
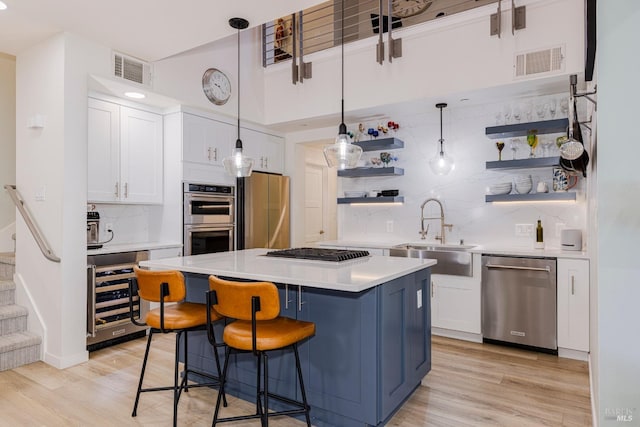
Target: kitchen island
(372, 345)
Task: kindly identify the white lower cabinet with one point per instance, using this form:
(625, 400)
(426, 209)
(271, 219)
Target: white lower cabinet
(455, 302)
(573, 304)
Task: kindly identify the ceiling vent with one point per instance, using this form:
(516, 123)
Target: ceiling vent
(539, 62)
(134, 70)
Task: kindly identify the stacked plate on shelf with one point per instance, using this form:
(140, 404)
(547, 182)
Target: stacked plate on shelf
(524, 184)
(501, 188)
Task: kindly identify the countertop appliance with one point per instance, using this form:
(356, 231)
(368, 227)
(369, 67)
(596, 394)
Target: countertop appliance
(208, 218)
(571, 239)
(319, 254)
(93, 230)
(108, 319)
(519, 300)
(263, 211)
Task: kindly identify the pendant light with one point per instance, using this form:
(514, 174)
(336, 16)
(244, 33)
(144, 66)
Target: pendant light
(342, 153)
(238, 164)
(441, 164)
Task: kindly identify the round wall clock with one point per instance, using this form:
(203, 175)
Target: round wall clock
(216, 86)
(406, 8)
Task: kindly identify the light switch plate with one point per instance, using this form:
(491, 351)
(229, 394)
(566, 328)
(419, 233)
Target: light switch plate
(390, 226)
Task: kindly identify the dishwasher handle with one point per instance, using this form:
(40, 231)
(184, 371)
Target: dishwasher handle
(517, 267)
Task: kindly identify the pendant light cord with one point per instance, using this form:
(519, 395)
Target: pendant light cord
(238, 77)
(342, 58)
(441, 140)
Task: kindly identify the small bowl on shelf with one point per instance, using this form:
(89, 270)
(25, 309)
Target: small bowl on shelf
(354, 194)
(502, 188)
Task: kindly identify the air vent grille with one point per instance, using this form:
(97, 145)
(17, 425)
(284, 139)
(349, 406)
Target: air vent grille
(539, 62)
(131, 69)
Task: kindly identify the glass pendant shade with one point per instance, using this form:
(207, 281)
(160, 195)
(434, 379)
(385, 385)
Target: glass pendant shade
(238, 164)
(342, 154)
(441, 164)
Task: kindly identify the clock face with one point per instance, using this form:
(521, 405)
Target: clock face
(216, 86)
(406, 8)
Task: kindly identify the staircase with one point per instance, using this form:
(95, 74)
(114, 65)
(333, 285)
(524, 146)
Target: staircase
(17, 346)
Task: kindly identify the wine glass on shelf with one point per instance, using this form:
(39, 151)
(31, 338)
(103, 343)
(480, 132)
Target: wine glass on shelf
(500, 146)
(498, 114)
(564, 106)
(541, 110)
(532, 141)
(516, 111)
(546, 143)
(513, 146)
(552, 107)
(527, 110)
(506, 112)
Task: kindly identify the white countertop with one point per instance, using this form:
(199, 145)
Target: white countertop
(352, 276)
(129, 247)
(485, 249)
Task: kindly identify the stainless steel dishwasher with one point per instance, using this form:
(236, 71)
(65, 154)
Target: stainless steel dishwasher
(519, 300)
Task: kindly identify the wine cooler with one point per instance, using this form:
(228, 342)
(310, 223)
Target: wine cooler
(108, 320)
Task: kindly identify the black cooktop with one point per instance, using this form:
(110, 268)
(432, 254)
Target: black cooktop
(321, 254)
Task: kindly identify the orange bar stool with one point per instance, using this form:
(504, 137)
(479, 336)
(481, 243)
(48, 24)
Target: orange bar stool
(180, 318)
(258, 328)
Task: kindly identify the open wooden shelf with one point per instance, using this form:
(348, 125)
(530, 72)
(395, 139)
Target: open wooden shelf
(390, 143)
(536, 162)
(370, 172)
(529, 128)
(567, 196)
(349, 200)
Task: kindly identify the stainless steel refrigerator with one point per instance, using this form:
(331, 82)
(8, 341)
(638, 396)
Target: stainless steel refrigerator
(263, 211)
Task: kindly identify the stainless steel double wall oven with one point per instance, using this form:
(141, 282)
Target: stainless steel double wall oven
(209, 218)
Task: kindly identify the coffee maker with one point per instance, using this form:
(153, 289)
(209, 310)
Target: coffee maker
(93, 230)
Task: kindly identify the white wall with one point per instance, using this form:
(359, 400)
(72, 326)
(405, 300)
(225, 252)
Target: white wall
(180, 76)
(52, 81)
(7, 148)
(453, 54)
(618, 222)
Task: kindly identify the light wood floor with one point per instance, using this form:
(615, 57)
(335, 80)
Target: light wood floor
(469, 385)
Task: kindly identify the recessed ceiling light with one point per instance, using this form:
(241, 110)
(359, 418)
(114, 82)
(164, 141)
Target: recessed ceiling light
(3, 5)
(135, 95)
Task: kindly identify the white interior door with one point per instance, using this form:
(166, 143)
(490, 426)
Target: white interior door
(313, 204)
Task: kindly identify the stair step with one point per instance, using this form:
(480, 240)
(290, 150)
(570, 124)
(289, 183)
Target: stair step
(19, 349)
(7, 292)
(7, 265)
(13, 318)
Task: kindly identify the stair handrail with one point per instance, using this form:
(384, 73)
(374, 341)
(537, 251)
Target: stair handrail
(33, 227)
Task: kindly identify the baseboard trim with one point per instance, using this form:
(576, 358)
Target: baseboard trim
(573, 354)
(35, 321)
(459, 335)
(594, 410)
(67, 361)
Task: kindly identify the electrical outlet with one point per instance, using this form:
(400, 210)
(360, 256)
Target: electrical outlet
(390, 226)
(41, 194)
(524, 230)
(559, 227)
(108, 226)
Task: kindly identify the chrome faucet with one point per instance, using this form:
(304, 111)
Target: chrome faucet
(424, 232)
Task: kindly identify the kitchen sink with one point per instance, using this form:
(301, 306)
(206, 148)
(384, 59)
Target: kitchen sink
(455, 260)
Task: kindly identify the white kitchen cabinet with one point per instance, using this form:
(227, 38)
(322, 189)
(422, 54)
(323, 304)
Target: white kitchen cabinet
(125, 149)
(206, 141)
(455, 303)
(573, 304)
(266, 150)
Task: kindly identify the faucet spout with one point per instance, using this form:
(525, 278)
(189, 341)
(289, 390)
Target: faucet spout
(443, 224)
